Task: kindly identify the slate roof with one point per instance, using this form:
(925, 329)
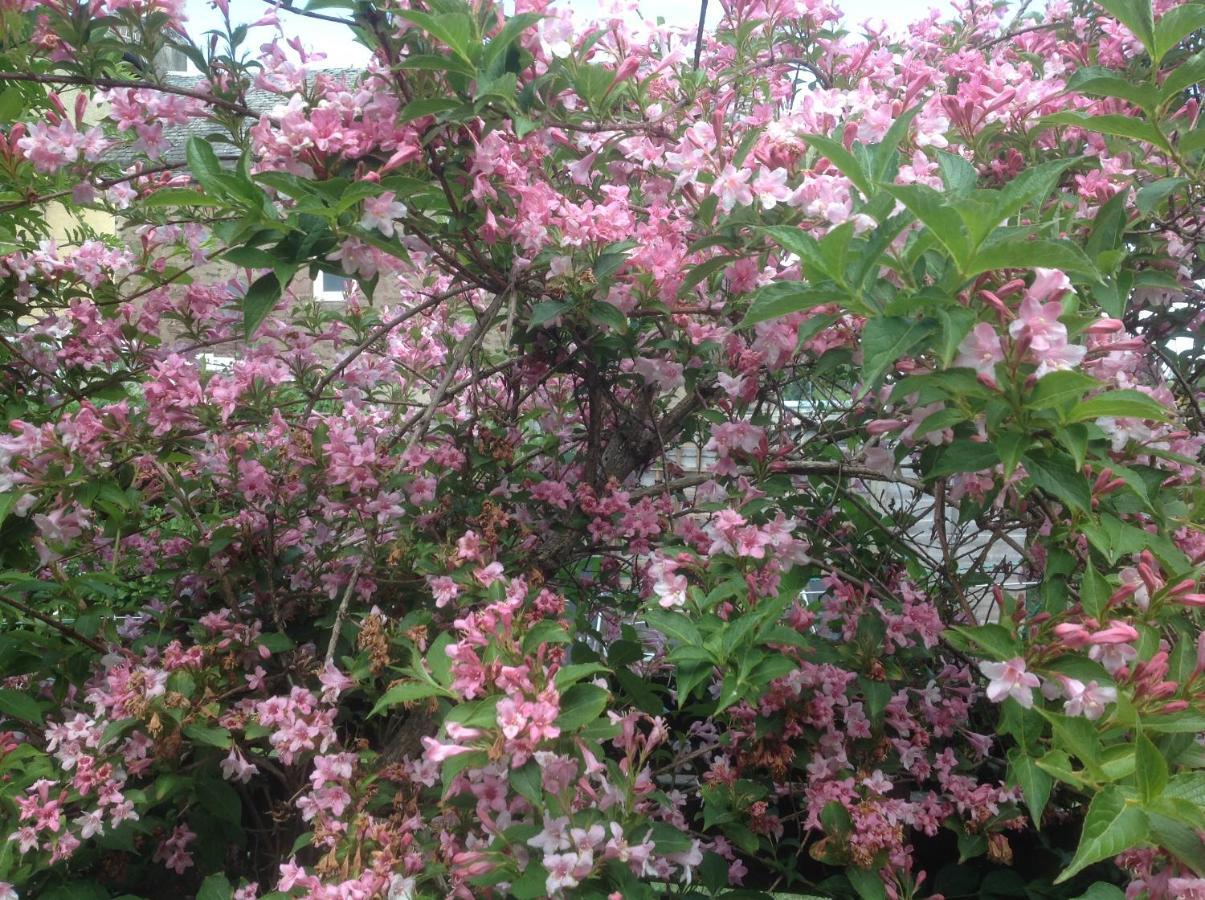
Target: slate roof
(257, 99)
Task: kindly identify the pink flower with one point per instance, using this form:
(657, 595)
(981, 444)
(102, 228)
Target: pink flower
(1087, 700)
(981, 350)
(236, 767)
(487, 575)
(333, 682)
(382, 212)
(443, 588)
(732, 187)
(1116, 633)
(437, 752)
(1010, 679)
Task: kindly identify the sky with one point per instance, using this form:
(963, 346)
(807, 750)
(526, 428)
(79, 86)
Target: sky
(341, 50)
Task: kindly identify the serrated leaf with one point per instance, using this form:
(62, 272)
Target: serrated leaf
(20, 706)
(1150, 769)
(1022, 253)
(1058, 477)
(1128, 404)
(581, 705)
(1111, 826)
(210, 735)
(1113, 125)
(784, 298)
(215, 887)
(1135, 15)
(406, 692)
(885, 339)
(1060, 388)
(1094, 593)
(942, 220)
(1176, 24)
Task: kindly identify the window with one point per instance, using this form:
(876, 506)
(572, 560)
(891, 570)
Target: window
(172, 61)
(330, 288)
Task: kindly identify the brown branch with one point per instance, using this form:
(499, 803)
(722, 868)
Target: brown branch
(117, 83)
(373, 336)
(1048, 26)
(420, 422)
(58, 626)
(806, 467)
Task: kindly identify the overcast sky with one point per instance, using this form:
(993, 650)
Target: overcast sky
(342, 50)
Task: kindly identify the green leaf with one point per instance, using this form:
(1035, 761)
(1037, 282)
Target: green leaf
(846, 162)
(1137, 16)
(994, 638)
(498, 44)
(1113, 125)
(1151, 195)
(1077, 736)
(260, 300)
(705, 270)
(783, 298)
(1189, 786)
(532, 884)
(210, 735)
(202, 160)
(1032, 186)
(429, 106)
(221, 799)
(867, 883)
(884, 340)
(1094, 593)
(567, 675)
(1059, 389)
(1184, 76)
(1022, 253)
(1058, 477)
(453, 29)
(674, 625)
(1174, 25)
(581, 705)
(215, 887)
(964, 455)
(1011, 446)
(1098, 82)
(528, 781)
(1150, 769)
(958, 175)
(406, 692)
(20, 705)
(943, 221)
(1111, 826)
(1119, 404)
(1034, 783)
(608, 315)
(543, 313)
(1102, 891)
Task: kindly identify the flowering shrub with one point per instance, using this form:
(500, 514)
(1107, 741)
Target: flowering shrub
(421, 594)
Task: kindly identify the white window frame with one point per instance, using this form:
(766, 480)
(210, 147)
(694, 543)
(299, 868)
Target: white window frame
(324, 296)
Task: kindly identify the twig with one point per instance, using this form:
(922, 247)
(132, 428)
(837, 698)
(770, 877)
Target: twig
(373, 336)
(699, 33)
(806, 467)
(951, 571)
(1012, 34)
(116, 83)
(58, 626)
(420, 422)
(341, 615)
